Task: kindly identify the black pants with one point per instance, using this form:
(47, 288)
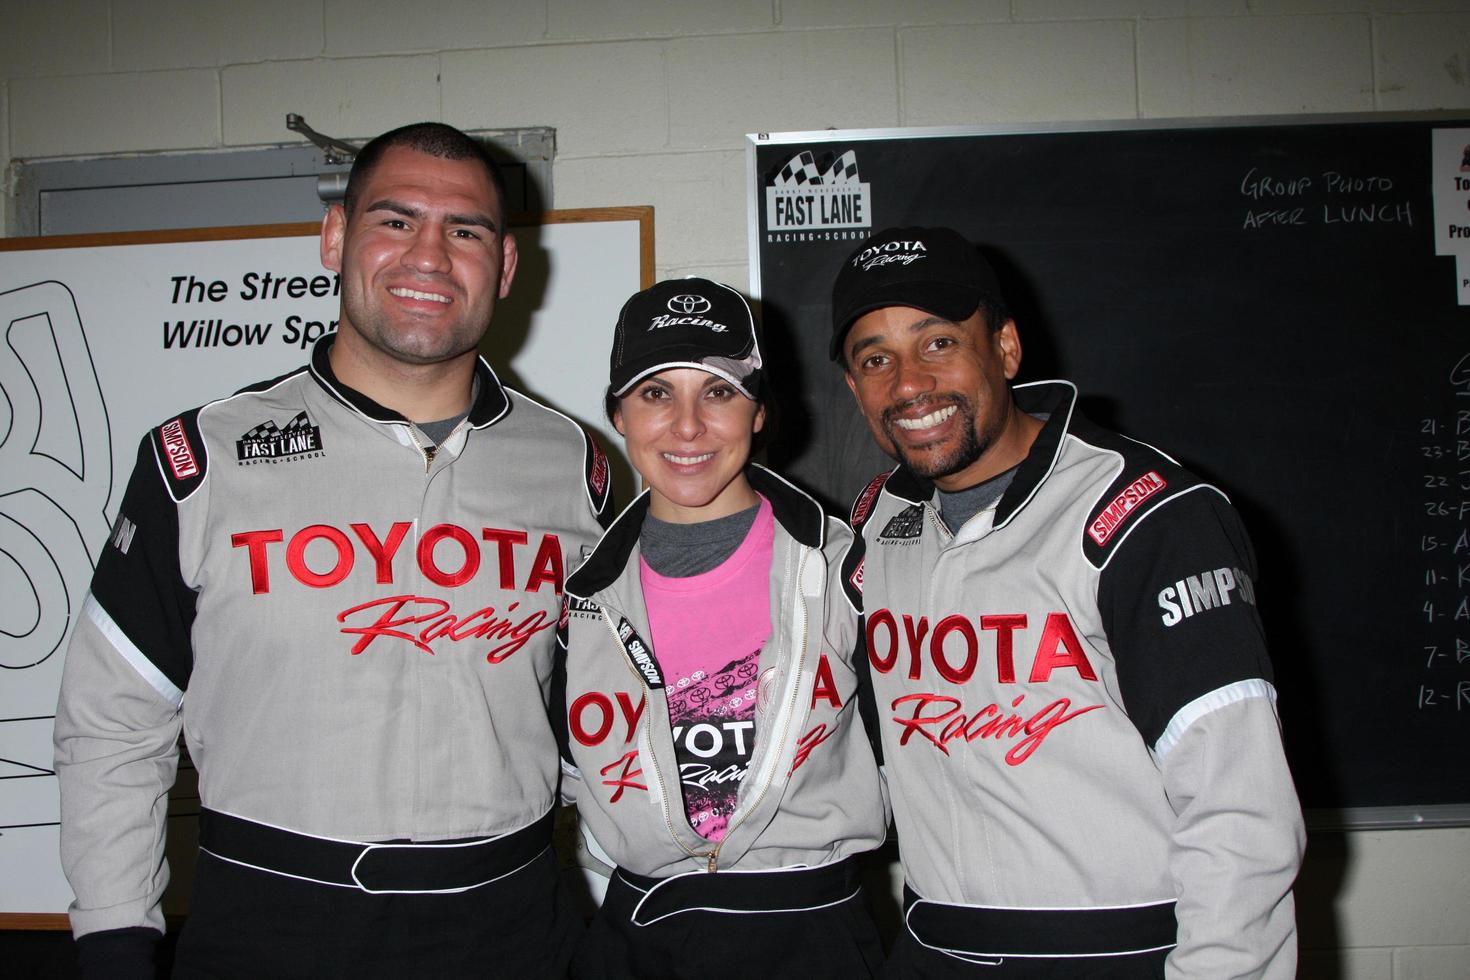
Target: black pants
(839, 941)
(252, 924)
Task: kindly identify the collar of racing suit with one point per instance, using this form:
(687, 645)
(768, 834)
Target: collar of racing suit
(490, 405)
(792, 508)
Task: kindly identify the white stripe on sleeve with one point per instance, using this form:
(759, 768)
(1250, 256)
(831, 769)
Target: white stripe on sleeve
(1192, 712)
(93, 610)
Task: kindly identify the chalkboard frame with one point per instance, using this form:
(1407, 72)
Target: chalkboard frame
(755, 141)
(759, 180)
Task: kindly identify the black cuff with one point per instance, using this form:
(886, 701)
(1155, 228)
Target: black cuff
(118, 954)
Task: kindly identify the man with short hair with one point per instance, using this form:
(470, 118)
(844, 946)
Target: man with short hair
(1068, 671)
(342, 586)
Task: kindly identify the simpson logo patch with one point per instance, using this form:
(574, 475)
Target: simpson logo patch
(864, 505)
(180, 454)
(856, 578)
(269, 443)
(640, 655)
(1208, 590)
(122, 534)
(905, 525)
(599, 469)
(1112, 517)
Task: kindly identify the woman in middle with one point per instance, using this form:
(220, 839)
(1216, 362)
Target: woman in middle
(706, 689)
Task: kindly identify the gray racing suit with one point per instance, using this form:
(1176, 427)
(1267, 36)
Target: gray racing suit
(1077, 712)
(812, 794)
(353, 630)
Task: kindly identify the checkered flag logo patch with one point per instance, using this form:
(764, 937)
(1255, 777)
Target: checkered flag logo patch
(269, 430)
(265, 430)
(844, 170)
(800, 171)
(268, 441)
(818, 196)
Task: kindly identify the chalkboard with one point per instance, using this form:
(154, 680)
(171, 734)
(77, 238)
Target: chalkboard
(1280, 305)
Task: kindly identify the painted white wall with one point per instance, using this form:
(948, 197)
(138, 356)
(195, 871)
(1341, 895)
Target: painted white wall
(650, 100)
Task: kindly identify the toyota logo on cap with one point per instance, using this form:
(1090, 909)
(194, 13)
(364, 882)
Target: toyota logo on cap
(689, 304)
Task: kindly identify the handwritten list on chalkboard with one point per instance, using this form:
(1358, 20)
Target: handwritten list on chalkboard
(1295, 196)
(1444, 550)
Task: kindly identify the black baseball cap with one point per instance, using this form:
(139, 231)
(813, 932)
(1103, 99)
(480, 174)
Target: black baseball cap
(694, 323)
(931, 269)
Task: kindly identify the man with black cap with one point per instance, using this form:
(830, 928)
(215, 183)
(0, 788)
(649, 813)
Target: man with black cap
(1069, 673)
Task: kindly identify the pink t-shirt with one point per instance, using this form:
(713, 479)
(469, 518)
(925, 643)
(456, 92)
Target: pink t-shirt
(707, 633)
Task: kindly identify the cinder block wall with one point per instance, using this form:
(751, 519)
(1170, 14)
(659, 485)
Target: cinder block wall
(650, 100)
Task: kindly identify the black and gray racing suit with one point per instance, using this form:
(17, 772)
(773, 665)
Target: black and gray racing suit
(1078, 718)
(352, 630)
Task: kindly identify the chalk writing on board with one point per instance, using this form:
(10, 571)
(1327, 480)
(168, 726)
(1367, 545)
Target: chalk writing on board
(1460, 376)
(1444, 547)
(1323, 197)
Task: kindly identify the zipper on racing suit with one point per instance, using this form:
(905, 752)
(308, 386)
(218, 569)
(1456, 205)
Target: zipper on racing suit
(793, 672)
(428, 452)
(945, 536)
